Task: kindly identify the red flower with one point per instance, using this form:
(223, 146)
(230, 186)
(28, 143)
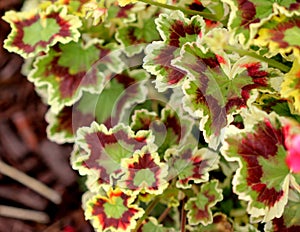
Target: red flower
(293, 157)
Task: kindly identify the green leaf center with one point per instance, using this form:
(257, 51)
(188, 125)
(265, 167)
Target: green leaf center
(37, 32)
(292, 36)
(115, 209)
(144, 176)
(76, 58)
(274, 172)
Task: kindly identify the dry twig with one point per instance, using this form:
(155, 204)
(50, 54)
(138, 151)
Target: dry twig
(30, 182)
(24, 214)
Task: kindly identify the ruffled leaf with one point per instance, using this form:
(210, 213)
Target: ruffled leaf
(153, 226)
(220, 223)
(63, 124)
(263, 177)
(273, 102)
(120, 93)
(34, 32)
(107, 107)
(135, 37)
(171, 129)
(175, 30)
(216, 7)
(69, 69)
(220, 86)
(142, 120)
(73, 6)
(199, 207)
(278, 35)
(95, 11)
(190, 165)
(126, 2)
(113, 211)
(118, 15)
(290, 86)
(290, 220)
(103, 150)
(247, 15)
(144, 173)
(177, 128)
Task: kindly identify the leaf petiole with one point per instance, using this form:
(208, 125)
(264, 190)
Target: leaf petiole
(270, 62)
(184, 10)
(147, 212)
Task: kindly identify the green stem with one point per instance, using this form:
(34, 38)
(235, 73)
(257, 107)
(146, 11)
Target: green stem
(270, 62)
(184, 10)
(147, 212)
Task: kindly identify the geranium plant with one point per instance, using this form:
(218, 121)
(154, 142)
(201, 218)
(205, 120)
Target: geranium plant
(184, 114)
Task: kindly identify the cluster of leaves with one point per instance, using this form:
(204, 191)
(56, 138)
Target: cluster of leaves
(184, 114)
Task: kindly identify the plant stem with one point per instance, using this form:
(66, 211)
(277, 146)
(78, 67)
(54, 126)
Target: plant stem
(183, 217)
(270, 62)
(147, 212)
(163, 215)
(184, 10)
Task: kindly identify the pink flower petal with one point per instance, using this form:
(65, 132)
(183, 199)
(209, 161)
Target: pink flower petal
(293, 157)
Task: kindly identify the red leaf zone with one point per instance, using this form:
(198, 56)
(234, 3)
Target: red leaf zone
(259, 78)
(20, 25)
(69, 83)
(173, 123)
(263, 143)
(145, 161)
(178, 30)
(69, 119)
(197, 163)
(125, 80)
(65, 120)
(217, 113)
(279, 226)
(111, 222)
(197, 5)
(173, 74)
(248, 12)
(145, 122)
(202, 213)
(123, 12)
(295, 6)
(278, 32)
(81, 2)
(133, 38)
(131, 89)
(98, 141)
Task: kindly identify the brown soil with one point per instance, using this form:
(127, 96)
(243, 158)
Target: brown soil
(24, 146)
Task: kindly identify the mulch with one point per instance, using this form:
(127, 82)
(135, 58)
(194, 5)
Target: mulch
(24, 146)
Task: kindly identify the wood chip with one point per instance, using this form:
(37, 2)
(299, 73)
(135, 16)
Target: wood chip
(23, 214)
(25, 130)
(30, 182)
(57, 158)
(11, 143)
(27, 198)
